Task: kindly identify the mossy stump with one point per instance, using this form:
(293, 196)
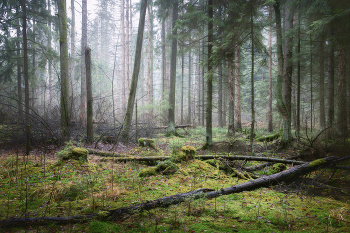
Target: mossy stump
(77, 153)
(187, 153)
(147, 142)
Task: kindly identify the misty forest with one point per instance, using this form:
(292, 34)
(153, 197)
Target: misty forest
(174, 116)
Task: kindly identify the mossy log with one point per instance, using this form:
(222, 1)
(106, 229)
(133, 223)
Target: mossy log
(122, 213)
(104, 153)
(203, 157)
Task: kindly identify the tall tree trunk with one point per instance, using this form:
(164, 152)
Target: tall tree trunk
(270, 125)
(287, 77)
(72, 62)
(252, 82)
(19, 75)
(199, 84)
(83, 70)
(203, 79)
(135, 75)
(171, 110)
(33, 77)
(127, 46)
(49, 57)
(311, 89)
(238, 122)
(231, 116)
(189, 87)
(220, 95)
(298, 82)
(64, 69)
(163, 59)
(330, 79)
(124, 85)
(148, 80)
(89, 117)
(182, 87)
(322, 106)
(209, 106)
(342, 127)
(26, 74)
(224, 101)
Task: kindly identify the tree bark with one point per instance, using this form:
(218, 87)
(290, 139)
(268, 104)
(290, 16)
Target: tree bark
(322, 94)
(220, 124)
(252, 83)
(89, 117)
(148, 77)
(127, 47)
(189, 87)
(231, 106)
(171, 109)
(330, 79)
(270, 125)
(298, 81)
(238, 122)
(182, 87)
(342, 127)
(83, 69)
(19, 75)
(72, 62)
(135, 75)
(209, 106)
(123, 57)
(49, 38)
(64, 69)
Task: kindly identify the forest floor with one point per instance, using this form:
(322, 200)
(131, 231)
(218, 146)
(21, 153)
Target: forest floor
(41, 186)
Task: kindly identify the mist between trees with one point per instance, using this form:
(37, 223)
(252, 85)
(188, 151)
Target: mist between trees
(246, 65)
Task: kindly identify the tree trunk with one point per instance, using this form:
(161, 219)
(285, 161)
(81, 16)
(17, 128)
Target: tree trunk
(220, 95)
(127, 47)
(203, 79)
(182, 87)
(72, 62)
(209, 106)
(238, 122)
(298, 81)
(89, 117)
(189, 87)
(252, 83)
(49, 38)
(342, 127)
(163, 59)
(83, 69)
(135, 75)
(231, 116)
(171, 109)
(270, 125)
(287, 76)
(322, 94)
(64, 69)
(148, 79)
(330, 80)
(123, 58)
(19, 75)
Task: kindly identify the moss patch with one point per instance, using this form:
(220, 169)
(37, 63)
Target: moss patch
(317, 162)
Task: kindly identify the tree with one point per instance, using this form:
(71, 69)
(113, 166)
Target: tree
(123, 57)
(83, 69)
(209, 76)
(171, 110)
(89, 115)
(238, 122)
(231, 114)
(64, 69)
(270, 125)
(135, 75)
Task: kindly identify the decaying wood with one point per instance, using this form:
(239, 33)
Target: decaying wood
(176, 126)
(103, 153)
(201, 157)
(119, 214)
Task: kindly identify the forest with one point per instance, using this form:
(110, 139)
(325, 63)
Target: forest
(174, 115)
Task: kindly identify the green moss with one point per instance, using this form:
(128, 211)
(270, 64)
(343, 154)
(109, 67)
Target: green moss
(147, 142)
(317, 162)
(101, 215)
(278, 167)
(148, 172)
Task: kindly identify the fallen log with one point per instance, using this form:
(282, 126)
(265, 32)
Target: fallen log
(119, 214)
(176, 126)
(104, 153)
(203, 157)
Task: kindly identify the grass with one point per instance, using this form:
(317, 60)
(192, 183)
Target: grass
(75, 188)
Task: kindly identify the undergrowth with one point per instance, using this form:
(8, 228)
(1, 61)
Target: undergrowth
(38, 189)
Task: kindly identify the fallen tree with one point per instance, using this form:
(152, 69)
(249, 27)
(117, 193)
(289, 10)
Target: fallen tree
(204, 157)
(121, 213)
(103, 153)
